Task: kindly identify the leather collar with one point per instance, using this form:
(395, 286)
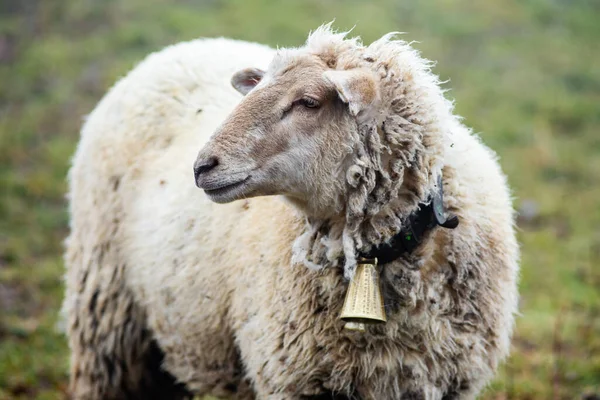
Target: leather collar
(426, 217)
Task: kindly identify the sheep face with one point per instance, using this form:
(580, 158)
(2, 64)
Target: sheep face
(291, 135)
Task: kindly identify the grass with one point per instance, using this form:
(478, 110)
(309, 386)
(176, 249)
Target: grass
(523, 73)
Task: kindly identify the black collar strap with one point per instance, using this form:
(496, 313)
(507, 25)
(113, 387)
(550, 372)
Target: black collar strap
(429, 215)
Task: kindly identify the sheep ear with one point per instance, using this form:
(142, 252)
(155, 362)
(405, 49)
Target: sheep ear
(357, 88)
(245, 80)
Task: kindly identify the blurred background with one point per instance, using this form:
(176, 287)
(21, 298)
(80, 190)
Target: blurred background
(525, 75)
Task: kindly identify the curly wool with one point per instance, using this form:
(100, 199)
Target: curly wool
(396, 155)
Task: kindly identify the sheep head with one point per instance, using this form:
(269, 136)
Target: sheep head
(353, 135)
(291, 134)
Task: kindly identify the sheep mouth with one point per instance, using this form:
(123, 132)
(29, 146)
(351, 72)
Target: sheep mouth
(227, 192)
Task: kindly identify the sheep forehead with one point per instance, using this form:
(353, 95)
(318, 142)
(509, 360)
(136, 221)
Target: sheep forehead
(292, 60)
(327, 49)
(324, 47)
(296, 71)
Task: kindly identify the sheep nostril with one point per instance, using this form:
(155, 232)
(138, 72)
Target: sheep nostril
(204, 166)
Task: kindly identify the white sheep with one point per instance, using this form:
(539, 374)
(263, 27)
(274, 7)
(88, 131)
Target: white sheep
(169, 293)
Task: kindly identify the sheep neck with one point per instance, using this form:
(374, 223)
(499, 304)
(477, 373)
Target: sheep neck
(418, 224)
(321, 245)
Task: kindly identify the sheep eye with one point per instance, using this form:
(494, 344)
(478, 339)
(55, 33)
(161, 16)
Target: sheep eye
(309, 102)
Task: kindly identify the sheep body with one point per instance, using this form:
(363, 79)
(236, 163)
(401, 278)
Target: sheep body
(153, 264)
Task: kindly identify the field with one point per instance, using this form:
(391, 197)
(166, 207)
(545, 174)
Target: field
(524, 74)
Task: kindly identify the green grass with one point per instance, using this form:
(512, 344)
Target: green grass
(524, 73)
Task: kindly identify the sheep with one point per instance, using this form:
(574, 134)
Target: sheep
(235, 290)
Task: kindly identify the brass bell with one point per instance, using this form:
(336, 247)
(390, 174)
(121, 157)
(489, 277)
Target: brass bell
(364, 301)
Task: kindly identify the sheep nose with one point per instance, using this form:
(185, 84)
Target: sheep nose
(203, 166)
